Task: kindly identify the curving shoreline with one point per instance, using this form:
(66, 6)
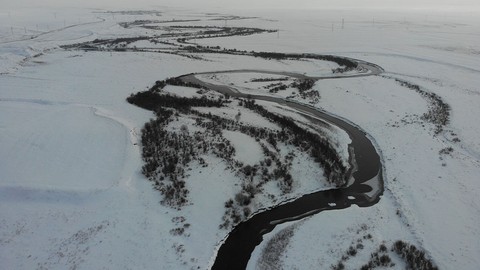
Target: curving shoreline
(364, 189)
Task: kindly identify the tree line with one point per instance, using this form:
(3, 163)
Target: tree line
(438, 112)
(320, 149)
(286, 56)
(167, 153)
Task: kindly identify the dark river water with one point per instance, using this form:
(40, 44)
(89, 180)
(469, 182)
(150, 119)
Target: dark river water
(364, 189)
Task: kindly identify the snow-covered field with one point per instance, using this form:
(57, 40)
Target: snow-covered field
(72, 195)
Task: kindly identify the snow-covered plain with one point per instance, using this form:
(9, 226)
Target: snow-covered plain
(71, 192)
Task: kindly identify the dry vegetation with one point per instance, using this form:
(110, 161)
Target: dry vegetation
(168, 155)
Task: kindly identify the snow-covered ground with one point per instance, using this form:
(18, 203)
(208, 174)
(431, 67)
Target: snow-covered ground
(71, 192)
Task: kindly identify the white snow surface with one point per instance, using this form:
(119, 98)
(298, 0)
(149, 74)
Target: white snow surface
(337, 137)
(71, 192)
(247, 117)
(248, 151)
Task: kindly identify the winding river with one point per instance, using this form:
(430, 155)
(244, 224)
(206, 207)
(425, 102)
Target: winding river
(364, 188)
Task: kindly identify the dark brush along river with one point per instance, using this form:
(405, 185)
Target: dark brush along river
(364, 188)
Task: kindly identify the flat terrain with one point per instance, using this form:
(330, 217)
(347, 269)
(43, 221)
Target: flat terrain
(73, 193)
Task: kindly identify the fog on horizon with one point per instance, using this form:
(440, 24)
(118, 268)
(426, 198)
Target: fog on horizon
(468, 5)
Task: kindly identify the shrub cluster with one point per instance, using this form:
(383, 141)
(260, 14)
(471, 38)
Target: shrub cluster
(346, 63)
(217, 31)
(438, 111)
(275, 87)
(270, 79)
(379, 258)
(97, 43)
(167, 154)
(280, 173)
(304, 87)
(446, 151)
(179, 82)
(414, 258)
(320, 149)
(152, 101)
(120, 44)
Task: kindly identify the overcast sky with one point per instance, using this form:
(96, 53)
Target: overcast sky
(429, 4)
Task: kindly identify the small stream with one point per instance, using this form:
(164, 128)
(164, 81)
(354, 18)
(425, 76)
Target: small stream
(364, 189)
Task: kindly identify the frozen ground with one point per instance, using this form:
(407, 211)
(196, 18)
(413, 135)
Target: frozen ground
(71, 192)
